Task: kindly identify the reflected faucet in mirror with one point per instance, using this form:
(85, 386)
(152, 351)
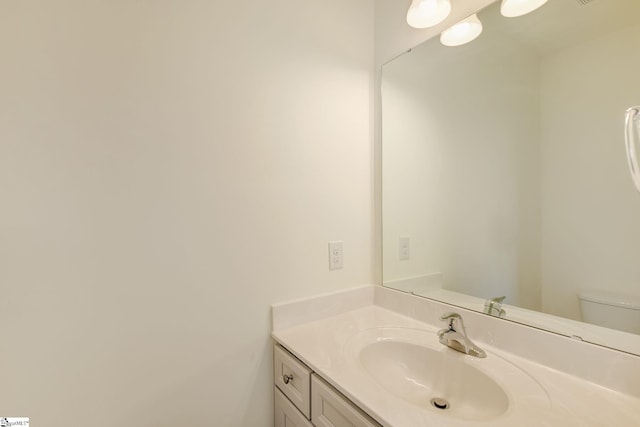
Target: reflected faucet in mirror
(493, 307)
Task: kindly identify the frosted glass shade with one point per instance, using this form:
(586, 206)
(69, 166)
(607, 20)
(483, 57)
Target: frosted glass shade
(513, 8)
(427, 13)
(462, 32)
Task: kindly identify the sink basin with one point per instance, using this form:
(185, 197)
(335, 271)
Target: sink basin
(420, 374)
(412, 366)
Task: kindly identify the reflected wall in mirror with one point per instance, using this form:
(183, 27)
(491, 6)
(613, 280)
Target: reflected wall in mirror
(504, 168)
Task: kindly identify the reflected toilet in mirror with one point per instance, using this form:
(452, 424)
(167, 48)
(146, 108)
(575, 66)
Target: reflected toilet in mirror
(611, 311)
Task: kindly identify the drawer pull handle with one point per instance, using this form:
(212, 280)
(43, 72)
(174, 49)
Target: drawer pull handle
(287, 378)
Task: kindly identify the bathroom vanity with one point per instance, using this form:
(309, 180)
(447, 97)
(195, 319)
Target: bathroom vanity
(352, 359)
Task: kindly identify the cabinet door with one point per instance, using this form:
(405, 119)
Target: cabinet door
(330, 409)
(286, 415)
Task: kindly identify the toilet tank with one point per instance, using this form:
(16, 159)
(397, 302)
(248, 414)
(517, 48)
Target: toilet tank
(611, 311)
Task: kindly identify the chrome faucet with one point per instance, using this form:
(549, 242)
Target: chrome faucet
(493, 307)
(455, 336)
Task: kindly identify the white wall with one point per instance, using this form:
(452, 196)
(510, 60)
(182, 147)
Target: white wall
(590, 209)
(460, 169)
(168, 169)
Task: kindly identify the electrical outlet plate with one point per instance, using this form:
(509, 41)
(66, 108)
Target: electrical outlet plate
(405, 248)
(335, 255)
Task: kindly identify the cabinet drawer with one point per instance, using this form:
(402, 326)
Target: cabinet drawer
(286, 415)
(330, 409)
(293, 378)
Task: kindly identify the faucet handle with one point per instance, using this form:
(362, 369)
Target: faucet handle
(450, 315)
(498, 299)
(452, 318)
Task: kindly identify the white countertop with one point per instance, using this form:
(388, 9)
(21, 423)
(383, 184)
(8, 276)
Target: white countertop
(573, 401)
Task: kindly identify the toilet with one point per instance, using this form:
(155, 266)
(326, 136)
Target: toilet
(611, 311)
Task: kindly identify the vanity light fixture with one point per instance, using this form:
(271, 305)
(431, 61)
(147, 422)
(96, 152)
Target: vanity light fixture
(427, 13)
(513, 8)
(462, 32)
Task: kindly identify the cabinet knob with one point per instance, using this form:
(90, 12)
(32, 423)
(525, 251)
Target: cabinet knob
(287, 378)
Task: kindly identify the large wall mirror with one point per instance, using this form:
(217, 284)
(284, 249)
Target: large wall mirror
(505, 172)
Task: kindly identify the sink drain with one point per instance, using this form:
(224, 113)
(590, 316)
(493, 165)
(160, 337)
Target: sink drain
(440, 403)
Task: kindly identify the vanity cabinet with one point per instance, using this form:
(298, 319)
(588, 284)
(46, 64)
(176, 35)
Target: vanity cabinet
(287, 415)
(303, 399)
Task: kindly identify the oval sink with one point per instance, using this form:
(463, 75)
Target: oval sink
(411, 365)
(421, 375)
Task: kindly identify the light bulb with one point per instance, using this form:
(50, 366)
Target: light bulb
(462, 32)
(427, 13)
(513, 8)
